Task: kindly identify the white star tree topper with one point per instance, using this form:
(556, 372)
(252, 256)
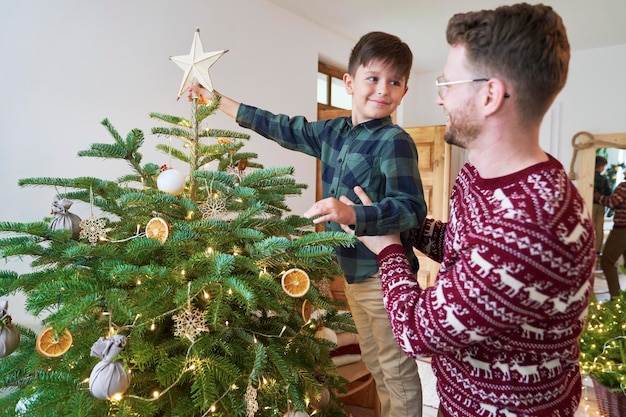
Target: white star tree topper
(196, 65)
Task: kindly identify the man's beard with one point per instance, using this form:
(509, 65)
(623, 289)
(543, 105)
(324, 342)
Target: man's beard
(463, 127)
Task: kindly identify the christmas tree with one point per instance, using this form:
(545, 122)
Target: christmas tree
(184, 296)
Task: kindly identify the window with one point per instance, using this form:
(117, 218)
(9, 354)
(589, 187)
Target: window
(331, 90)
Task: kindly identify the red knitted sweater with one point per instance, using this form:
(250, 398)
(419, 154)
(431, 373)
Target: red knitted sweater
(502, 320)
(617, 202)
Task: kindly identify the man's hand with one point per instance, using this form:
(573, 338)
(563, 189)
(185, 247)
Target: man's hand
(373, 243)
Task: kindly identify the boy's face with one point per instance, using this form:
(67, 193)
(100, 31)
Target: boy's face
(376, 91)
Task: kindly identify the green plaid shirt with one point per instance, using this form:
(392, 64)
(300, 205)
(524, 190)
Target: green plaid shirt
(376, 155)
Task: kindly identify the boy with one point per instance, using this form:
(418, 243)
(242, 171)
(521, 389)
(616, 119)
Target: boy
(368, 150)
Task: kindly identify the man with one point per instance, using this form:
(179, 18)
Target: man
(615, 245)
(600, 187)
(502, 320)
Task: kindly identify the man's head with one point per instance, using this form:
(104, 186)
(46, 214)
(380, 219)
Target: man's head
(383, 47)
(524, 46)
(600, 163)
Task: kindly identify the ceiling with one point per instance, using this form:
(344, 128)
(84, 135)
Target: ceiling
(422, 23)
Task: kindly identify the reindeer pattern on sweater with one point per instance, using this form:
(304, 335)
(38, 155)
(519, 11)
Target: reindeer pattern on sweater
(503, 317)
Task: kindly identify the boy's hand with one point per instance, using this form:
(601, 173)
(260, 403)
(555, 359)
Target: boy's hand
(373, 243)
(197, 90)
(331, 210)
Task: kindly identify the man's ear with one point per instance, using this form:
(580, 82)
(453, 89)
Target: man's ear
(496, 94)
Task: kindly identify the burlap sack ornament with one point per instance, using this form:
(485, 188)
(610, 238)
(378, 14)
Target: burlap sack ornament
(63, 219)
(9, 334)
(109, 377)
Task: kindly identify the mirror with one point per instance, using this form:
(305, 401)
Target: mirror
(585, 145)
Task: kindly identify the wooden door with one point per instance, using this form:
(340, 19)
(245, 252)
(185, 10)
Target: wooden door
(434, 166)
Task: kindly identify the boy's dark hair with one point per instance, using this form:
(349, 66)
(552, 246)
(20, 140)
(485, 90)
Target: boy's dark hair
(524, 45)
(601, 161)
(384, 47)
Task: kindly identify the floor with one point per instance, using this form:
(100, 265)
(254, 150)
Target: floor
(588, 406)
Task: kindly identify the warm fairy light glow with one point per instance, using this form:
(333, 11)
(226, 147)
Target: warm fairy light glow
(230, 291)
(205, 294)
(117, 397)
(603, 343)
(182, 272)
(155, 394)
(152, 326)
(209, 250)
(139, 281)
(213, 408)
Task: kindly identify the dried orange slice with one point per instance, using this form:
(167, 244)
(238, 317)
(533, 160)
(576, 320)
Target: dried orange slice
(307, 309)
(295, 282)
(159, 229)
(52, 345)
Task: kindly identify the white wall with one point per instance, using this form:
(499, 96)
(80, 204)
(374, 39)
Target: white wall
(68, 64)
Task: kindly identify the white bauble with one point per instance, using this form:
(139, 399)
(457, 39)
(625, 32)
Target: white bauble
(171, 181)
(328, 334)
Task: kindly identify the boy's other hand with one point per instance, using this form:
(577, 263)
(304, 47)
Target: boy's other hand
(331, 210)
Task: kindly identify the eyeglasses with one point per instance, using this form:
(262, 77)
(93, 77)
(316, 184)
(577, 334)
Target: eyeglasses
(442, 86)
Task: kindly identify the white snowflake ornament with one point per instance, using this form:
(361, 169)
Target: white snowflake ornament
(212, 207)
(189, 323)
(92, 229)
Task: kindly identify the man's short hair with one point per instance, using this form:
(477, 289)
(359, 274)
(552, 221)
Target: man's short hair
(524, 45)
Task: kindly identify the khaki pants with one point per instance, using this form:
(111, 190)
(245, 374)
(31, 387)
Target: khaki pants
(397, 378)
